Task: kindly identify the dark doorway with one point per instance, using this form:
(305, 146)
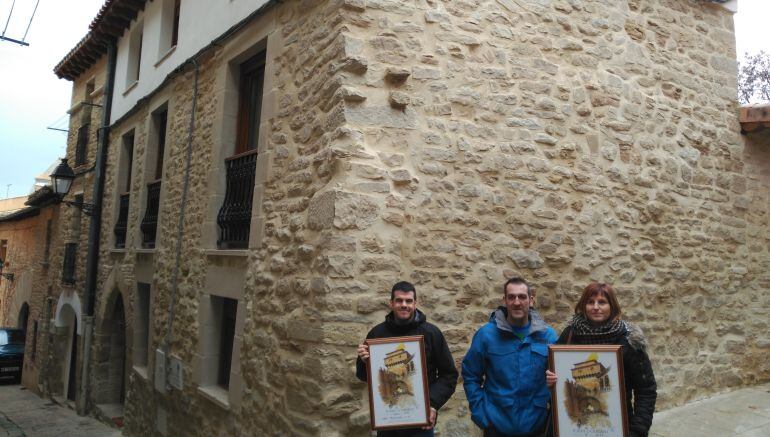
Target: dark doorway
(71, 384)
(23, 317)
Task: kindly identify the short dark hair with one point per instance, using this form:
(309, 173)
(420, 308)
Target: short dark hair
(517, 281)
(402, 286)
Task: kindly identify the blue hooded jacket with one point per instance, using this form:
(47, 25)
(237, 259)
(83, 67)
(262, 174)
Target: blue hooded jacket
(504, 377)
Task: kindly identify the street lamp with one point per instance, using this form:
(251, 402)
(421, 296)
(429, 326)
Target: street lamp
(62, 178)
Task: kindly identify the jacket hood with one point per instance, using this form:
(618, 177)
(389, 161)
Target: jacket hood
(419, 318)
(636, 337)
(500, 318)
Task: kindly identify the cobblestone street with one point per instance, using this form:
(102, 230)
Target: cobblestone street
(23, 413)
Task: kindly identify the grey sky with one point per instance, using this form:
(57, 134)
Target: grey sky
(32, 97)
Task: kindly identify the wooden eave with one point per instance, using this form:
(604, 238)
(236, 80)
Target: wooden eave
(113, 19)
(754, 118)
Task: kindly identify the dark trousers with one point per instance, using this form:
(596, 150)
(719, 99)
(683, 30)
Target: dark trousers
(492, 432)
(412, 432)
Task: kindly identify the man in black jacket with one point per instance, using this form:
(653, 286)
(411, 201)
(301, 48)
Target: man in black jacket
(404, 320)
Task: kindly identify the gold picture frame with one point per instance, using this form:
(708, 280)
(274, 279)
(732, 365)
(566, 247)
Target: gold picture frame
(398, 383)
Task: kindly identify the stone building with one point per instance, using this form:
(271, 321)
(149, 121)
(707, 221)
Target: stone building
(273, 167)
(26, 253)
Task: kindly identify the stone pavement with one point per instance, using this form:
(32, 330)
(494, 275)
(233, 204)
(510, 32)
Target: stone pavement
(23, 413)
(744, 413)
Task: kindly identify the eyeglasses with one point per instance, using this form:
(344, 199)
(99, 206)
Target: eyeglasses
(515, 297)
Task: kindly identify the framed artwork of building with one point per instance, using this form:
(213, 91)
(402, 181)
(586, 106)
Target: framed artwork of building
(398, 383)
(589, 398)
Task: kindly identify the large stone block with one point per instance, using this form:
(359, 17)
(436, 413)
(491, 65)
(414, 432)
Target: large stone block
(341, 210)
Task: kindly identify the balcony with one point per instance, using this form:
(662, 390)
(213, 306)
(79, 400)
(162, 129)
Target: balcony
(68, 267)
(121, 226)
(149, 224)
(234, 217)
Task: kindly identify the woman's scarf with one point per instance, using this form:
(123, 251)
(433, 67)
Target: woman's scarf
(585, 333)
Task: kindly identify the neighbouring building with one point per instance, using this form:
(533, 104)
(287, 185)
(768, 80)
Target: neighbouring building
(26, 236)
(274, 166)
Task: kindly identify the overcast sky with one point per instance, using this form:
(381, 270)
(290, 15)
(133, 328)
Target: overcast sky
(32, 98)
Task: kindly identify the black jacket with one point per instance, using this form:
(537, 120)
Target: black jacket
(638, 376)
(442, 374)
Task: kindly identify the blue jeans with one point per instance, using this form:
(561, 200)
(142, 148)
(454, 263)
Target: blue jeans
(412, 432)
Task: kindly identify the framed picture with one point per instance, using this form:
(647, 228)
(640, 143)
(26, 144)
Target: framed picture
(589, 398)
(398, 383)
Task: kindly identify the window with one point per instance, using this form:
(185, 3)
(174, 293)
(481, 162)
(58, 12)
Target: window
(156, 149)
(134, 54)
(124, 189)
(142, 324)
(234, 218)
(160, 120)
(252, 79)
(68, 266)
(218, 339)
(128, 159)
(81, 148)
(228, 309)
(169, 28)
(47, 252)
(175, 26)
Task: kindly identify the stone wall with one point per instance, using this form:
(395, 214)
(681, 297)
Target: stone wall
(452, 144)
(30, 265)
(565, 142)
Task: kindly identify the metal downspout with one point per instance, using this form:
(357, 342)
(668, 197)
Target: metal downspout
(92, 257)
(180, 228)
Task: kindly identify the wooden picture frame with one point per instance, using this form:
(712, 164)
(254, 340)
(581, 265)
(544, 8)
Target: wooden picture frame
(589, 397)
(398, 383)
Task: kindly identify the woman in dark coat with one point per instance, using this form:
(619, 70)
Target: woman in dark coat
(597, 321)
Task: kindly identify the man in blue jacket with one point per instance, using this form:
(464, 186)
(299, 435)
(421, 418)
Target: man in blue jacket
(504, 371)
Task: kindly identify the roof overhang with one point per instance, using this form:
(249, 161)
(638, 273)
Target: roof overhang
(754, 117)
(110, 23)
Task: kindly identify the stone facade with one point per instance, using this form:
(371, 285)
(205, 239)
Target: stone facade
(24, 300)
(452, 144)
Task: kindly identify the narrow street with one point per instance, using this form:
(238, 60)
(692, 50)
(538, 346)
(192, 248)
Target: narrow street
(23, 413)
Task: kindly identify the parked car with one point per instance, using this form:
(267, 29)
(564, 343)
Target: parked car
(11, 353)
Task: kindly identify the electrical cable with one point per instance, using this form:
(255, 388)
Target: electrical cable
(9, 17)
(30, 21)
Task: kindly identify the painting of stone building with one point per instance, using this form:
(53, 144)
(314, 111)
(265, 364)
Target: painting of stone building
(395, 379)
(270, 168)
(585, 395)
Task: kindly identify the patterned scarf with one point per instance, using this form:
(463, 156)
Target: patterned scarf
(583, 332)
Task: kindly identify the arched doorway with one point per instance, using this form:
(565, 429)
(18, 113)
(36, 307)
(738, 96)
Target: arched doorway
(111, 361)
(68, 333)
(23, 317)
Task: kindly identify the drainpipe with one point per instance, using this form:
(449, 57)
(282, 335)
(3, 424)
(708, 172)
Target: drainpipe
(92, 257)
(166, 347)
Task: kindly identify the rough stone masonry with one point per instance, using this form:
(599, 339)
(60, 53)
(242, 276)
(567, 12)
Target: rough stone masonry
(454, 144)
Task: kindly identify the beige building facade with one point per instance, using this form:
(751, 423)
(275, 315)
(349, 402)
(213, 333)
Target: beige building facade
(261, 200)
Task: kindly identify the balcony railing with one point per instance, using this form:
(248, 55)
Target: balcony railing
(68, 267)
(121, 226)
(149, 224)
(234, 217)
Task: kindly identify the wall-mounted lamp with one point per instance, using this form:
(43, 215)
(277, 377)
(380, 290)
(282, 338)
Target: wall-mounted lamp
(62, 178)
